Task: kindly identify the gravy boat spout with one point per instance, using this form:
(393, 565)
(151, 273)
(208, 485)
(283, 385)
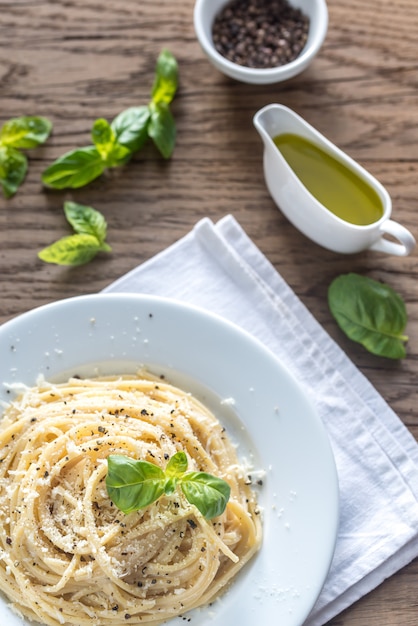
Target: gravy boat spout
(305, 208)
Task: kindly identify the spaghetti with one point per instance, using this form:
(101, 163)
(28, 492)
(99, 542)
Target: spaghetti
(67, 554)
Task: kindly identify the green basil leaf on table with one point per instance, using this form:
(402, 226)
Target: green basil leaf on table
(90, 233)
(86, 220)
(74, 250)
(74, 169)
(208, 493)
(25, 132)
(103, 137)
(118, 156)
(19, 133)
(370, 313)
(115, 143)
(130, 127)
(131, 484)
(166, 78)
(13, 169)
(162, 129)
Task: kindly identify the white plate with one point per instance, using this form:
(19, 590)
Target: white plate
(261, 405)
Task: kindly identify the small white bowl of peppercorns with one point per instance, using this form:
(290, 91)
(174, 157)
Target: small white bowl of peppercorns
(261, 41)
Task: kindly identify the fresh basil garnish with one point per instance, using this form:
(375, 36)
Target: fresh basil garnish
(116, 142)
(135, 484)
(177, 465)
(370, 313)
(19, 133)
(209, 493)
(89, 236)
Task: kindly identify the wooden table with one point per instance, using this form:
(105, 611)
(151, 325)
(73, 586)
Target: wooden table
(76, 60)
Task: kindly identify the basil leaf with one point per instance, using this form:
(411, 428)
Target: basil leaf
(89, 238)
(166, 78)
(133, 485)
(370, 313)
(208, 493)
(162, 129)
(25, 132)
(13, 168)
(116, 142)
(86, 220)
(130, 127)
(119, 155)
(75, 249)
(74, 169)
(103, 137)
(19, 133)
(109, 149)
(177, 465)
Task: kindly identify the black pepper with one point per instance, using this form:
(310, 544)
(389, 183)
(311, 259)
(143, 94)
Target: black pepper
(260, 33)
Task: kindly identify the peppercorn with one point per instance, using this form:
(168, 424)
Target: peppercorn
(260, 33)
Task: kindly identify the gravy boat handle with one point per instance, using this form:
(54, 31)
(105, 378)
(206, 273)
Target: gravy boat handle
(405, 240)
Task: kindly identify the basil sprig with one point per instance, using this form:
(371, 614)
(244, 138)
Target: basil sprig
(90, 229)
(370, 313)
(17, 134)
(134, 484)
(113, 144)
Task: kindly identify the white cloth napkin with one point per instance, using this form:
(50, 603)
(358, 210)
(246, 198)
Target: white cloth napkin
(217, 267)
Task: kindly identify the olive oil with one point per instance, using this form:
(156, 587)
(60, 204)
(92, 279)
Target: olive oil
(333, 184)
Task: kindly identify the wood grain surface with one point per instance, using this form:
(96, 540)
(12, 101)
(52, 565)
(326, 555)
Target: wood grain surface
(76, 60)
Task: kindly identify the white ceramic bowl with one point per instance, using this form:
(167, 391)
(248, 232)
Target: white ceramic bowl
(204, 15)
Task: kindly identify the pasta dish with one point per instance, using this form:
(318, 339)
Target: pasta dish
(68, 555)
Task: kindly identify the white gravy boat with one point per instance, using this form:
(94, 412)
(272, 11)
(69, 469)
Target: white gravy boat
(304, 211)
